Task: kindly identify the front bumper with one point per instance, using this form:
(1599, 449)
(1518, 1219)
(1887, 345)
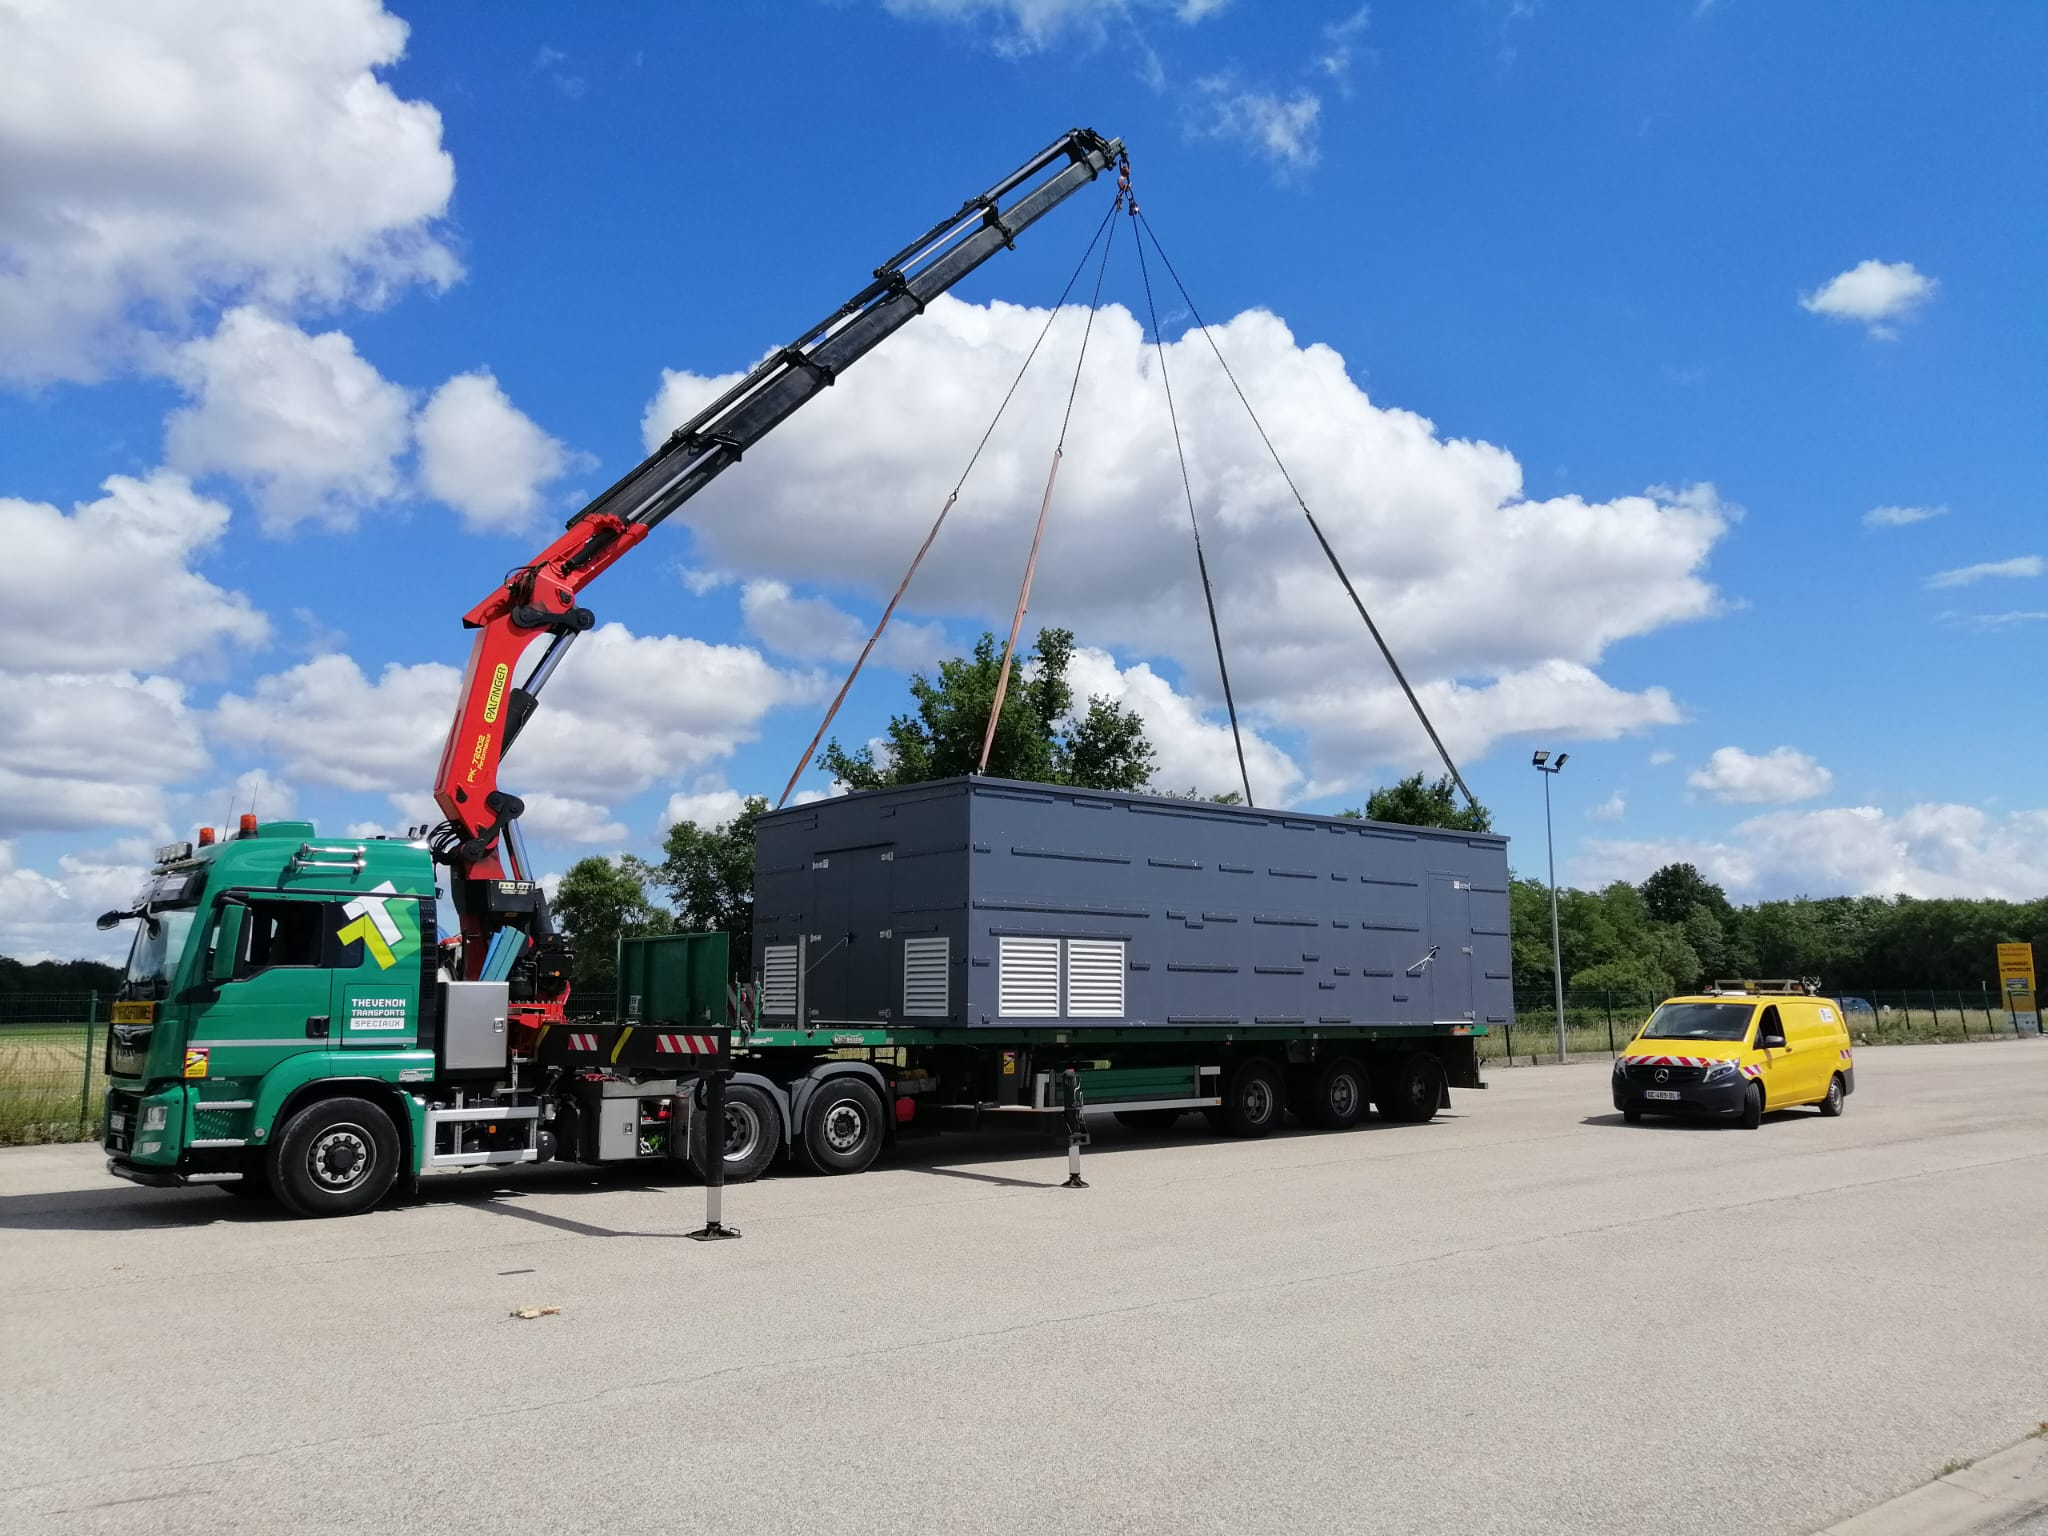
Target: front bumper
(1717, 1101)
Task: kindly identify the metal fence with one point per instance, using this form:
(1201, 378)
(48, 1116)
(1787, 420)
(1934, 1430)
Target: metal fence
(1597, 1022)
(52, 1072)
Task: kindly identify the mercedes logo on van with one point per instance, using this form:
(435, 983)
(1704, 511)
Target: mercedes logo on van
(1663, 1074)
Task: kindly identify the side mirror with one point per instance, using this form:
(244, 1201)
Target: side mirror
(109, 920)
(1770, 1042)
(227, 942)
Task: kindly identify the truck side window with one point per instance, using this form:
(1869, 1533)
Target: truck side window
(294, 933)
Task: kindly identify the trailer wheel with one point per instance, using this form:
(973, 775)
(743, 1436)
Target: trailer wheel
(1410, 1090)
(842, 1126)
(1148, 1122)
(334, 1158)
(1337, 1096)
(1253, 1101)
(751, 1135)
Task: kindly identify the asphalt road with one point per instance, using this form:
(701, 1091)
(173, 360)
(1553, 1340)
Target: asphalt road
(1525, 1317)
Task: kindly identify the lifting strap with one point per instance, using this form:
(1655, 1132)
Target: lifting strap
(995, 713)
(974, 458)
(1314, 527)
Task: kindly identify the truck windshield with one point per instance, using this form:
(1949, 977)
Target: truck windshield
(1699, 1021)
(158, 944)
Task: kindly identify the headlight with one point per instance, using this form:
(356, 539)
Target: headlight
(1720, 1071)
(1620, 1066)
(156, 1117)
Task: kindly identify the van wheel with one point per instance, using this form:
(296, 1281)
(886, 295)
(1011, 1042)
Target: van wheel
(1753, 1107)
(1832, 1104)
(1252, 1101)
(1410, 1089)
(1631, 1117)
(842, 1126)
(334, 1158)
(752, 1135)
(1147, 1122)
(1337, 1097)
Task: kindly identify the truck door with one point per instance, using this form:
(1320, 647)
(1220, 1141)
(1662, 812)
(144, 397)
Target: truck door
(278, 999)
(1450, 930)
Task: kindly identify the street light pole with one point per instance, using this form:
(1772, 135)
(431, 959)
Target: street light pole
(1547, 768)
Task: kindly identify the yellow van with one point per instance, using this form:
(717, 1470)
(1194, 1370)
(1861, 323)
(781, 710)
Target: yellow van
(1731, 1054)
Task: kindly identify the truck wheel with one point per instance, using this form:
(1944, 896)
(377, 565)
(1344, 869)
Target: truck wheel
(1253, 1101)
(842, 1126)
(1753, 1107)
(752, 1134)
(1336, 1097)
(1148, 1122)
(1410, 1090)
(334, 1158)
(1832, 1104)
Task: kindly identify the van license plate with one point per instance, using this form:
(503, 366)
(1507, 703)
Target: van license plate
(1660, 1093)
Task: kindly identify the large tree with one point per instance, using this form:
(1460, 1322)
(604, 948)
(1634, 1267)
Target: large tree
(1040, 737)
(1417, 802)
(709, 873)
(599, 902)
(1676, 889)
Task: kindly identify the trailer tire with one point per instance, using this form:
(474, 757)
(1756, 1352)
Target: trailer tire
(1148, 1122)
(1410, 1090)
(842, 1129)
(1253, 1101)
(1337, 1095)
(335, 1157)
(753, 1132)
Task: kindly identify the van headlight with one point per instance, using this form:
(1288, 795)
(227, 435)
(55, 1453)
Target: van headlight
(1720, 1072)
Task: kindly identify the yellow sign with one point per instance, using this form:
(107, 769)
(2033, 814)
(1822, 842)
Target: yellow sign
(496, 696)
(2016, 968)
(195, 1061)
(134, 1013)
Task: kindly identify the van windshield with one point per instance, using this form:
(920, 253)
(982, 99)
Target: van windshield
(1699, 1021)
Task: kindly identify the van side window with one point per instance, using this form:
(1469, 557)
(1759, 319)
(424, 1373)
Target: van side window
(1768, 1023)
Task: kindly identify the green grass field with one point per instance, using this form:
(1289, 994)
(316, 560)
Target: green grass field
(42, 1068)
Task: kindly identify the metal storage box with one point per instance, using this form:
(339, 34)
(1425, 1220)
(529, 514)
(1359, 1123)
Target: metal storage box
(982, 903)
(677, 979)
(473, 1038)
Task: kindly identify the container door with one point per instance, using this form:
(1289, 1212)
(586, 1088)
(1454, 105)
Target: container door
(1450, 930)
(850, 975)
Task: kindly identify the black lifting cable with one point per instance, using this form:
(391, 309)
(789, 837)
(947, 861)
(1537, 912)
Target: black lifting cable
(1187, 488)
(974, 458)
(1314, 527)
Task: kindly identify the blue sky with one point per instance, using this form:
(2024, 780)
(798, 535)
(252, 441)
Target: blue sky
(1671, 376)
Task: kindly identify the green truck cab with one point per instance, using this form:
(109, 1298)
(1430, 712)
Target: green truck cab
(278, 987)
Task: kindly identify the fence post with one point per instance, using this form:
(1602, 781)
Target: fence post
(92, 1013)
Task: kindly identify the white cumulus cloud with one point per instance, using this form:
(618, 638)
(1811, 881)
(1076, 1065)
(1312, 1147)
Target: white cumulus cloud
(1499, 607)
(1872, 293)
(1613, 808)
(161, 154)
(815, 628)
(1900, 517)
(92, 750)
(485, 457)
(1736, 777)
(1192, 749)
(50, 917)
(1926, 850)
(113, 582)
(304, 422)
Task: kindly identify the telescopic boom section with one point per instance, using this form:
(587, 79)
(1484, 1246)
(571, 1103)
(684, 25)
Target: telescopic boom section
(479, 840)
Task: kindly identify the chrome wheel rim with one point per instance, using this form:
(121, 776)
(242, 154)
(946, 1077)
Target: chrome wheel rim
(341, 1157)
(742, 1132)
(845, 1126)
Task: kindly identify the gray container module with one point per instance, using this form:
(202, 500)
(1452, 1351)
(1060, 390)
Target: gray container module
(986, 904)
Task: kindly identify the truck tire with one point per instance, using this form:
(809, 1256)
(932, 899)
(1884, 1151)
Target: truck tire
(1410, 1090)
(753, 1132)
(842, 1129)
(1253, 1101)
(1336, 1095)
(335, 1157)
(1148, 1122)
